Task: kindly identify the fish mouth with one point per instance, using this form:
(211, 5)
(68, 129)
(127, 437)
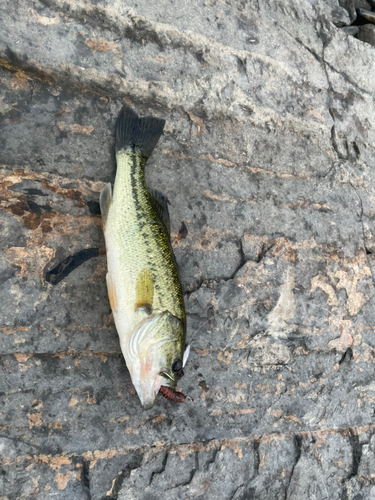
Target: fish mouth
(147, 398)
(147, 391)
(148, 404)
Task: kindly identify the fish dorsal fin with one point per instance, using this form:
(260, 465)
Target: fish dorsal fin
(160, 203)
(144, 291)
(105, 202)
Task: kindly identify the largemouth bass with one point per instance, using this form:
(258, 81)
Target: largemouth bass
(143, 286)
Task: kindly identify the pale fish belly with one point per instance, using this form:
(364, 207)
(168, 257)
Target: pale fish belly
(122, 294)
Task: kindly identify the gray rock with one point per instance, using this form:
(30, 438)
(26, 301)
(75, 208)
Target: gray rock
(350, 6)
(363, 4)
(267, 157)
(366, 14)
(350, 30)
(319, 463)
(338, 12)
(366, 34)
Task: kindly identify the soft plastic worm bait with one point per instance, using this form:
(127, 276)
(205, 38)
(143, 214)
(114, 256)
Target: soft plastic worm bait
(173, 395)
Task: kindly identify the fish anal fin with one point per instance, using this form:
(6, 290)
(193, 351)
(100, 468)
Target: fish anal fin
(145, 292)
(112, 295)
(105, 202)
(160, 203)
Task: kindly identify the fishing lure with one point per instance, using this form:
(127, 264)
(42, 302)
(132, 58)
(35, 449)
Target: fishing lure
(175, 396)
(172, 395)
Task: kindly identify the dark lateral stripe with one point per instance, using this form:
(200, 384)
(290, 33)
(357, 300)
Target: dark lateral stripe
(68, 265)
(152, 232)
(133, 181)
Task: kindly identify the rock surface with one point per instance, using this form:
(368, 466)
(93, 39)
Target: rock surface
(268, 159)
(366, 34)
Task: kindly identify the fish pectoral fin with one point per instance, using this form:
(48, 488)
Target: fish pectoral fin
(105, 202)
(160, 203)
(112, 295)
(145, 292)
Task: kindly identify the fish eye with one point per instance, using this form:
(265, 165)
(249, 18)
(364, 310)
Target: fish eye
(177, 365)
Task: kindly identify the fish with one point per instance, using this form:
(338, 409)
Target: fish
(144, 288)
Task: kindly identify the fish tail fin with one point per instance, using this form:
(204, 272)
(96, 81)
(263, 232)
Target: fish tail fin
(135, 132)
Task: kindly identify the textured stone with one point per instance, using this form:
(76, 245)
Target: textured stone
(366, 14)
(363, 4)
(350, 6)
(350, 30)
(366, 34)
(336, 12)
(268, 160)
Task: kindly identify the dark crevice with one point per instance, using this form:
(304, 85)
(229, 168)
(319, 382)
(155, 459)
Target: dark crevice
(195, 287)
(64, 268)
(162, 468)
(295, 339)
(37, 209)
(241, 65)
(213, 458)
(329, 171)
(356, 150)
(256, 444)
(218, 279)
(367, 252)
(347, 356)
(192, 474)
(15, 63)
(183, 231)
(135, 463)
(297, 456)
(356, 453)
(360, 21)
(117, 485)
(330, 106)
(312, 52)
(334, 143)
(86, 478)
(242, 261)
(93, 207)
(193, 471)
(298, 40)
(347, 79)
(235, 491)
(266, 247)
(298, 445)
(322, 60)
